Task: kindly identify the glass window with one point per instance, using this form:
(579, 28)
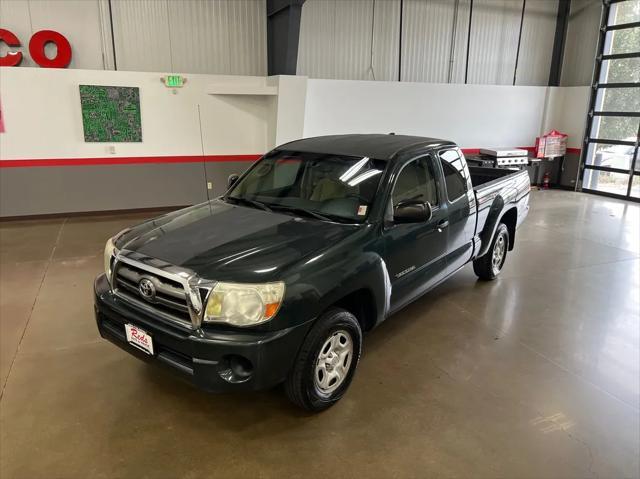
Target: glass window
(415, 182)
(623, 70)
(331, 185)
(455, 173)
(618, 99)
(606, 181)
(635, 186)
(610, 156)
(623, 41)
(615, 127)
(624, 12)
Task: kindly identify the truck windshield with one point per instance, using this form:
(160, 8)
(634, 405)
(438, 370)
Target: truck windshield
(333, 187)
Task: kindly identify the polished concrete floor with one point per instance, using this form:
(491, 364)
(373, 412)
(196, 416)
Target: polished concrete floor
(533, 375)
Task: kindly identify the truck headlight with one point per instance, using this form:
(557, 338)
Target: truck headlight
(243, 304)
(109, 252)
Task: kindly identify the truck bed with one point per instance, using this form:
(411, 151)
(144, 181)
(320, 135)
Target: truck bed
(490, 183)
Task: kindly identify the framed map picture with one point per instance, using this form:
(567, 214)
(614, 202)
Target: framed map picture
(111, 113)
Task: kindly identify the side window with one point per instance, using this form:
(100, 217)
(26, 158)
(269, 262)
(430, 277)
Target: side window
(455, 173)
(415, 182)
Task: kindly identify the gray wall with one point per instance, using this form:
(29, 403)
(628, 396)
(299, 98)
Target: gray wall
(359, 39)
(63, 189)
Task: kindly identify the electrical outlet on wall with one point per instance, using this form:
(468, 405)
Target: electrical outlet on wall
(209, 185)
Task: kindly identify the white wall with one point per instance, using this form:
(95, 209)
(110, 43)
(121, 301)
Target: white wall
(41, 109)
(471, 115)
(567, 112)
(235, 115)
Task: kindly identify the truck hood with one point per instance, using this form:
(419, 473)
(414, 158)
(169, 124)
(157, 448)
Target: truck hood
(221, 241)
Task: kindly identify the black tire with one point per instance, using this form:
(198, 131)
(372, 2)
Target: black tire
(301, 385)
(485, 267)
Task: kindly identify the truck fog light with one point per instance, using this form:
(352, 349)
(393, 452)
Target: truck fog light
(235, 369)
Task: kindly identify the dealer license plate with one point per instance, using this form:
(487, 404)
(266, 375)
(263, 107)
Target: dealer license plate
(139, 338)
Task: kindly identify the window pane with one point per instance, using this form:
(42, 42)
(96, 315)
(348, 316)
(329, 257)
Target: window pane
(615, 128)
(635, 186)
(611, 156)
(625, 12)
(606, 181)
(620, 71)
(455, 183)
(618, 99)
(623, 41)
(415, 182)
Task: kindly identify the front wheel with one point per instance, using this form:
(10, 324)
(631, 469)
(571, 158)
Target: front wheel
(488, 267)
(326, 362)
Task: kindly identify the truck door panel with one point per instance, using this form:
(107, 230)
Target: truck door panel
(415, 252)
(460, 200)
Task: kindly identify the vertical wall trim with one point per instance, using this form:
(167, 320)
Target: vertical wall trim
(400, 43)
(466, 64)
(452, 50)
(559, 41)
(373, 25)
(515, 67)
(166, 5)
(113, 40)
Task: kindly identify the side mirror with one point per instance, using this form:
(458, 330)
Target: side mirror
(413, 211)
(232, 180)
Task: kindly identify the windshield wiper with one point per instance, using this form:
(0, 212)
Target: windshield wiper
(255, 203)
(313, 214)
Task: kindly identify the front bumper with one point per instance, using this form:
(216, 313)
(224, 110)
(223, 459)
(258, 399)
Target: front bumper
(212, 361)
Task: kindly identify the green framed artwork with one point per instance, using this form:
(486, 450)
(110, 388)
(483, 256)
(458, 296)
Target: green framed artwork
(111, 113)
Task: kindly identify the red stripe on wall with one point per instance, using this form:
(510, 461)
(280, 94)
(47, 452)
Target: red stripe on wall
(129, 160)
(140, 160)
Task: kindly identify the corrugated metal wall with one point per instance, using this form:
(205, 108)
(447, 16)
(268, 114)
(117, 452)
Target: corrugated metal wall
(220, 36)
(581, 43)
(352, 40)
(191, 36)
(434, 40)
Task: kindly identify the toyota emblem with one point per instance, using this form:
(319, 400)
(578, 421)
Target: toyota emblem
(147, 289)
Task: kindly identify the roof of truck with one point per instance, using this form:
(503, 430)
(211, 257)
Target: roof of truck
(380, 147)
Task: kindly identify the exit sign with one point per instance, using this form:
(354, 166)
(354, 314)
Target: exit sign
(174, 81)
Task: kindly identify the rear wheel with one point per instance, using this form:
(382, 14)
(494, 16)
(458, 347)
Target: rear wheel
(488, 267)
(326, 362)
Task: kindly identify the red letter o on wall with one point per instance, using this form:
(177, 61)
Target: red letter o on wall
(11, 59)
(36, 48)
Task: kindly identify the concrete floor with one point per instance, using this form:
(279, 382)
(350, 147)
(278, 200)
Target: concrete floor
(533, 375)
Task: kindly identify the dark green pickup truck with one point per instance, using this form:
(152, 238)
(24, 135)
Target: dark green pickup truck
(316, 243)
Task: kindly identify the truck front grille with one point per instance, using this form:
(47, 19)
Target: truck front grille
(169, 298)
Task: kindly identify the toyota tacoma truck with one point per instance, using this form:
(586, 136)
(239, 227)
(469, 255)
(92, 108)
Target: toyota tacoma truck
(318, 242)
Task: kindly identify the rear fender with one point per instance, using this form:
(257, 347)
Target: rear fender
(491, 224)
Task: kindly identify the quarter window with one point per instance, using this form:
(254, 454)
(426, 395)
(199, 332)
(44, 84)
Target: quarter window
(455, 173)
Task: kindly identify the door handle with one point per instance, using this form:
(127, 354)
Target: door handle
(442, 224)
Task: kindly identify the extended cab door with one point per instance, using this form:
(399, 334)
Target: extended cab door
(460, 205)
(415, 252)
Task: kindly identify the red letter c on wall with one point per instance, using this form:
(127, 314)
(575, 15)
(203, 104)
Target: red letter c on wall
(11, 59)
(36, 48)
